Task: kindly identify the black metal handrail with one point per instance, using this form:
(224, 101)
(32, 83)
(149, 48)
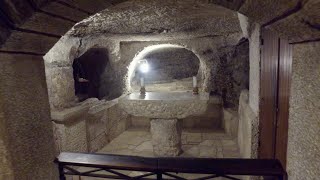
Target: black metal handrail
(157, 168)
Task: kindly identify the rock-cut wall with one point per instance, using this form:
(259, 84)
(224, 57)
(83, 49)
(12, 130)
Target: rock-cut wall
(89, 126)
(304, 120)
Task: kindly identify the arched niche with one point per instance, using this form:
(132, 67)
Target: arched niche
(59, 67)
(87, 72)
(171, 68)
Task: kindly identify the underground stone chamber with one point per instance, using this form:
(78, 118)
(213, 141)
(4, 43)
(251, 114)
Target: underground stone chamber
(206, 28)
(169, 120)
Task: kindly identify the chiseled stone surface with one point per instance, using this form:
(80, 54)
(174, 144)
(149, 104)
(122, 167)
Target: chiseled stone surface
(266, 10)
(305, 22)
(27, 116)
(248, 128)
(115, 78)
(59, 73)
(303, 155)
(117, 122)
(210, 144)
(210, 119)
(166, 137)
(89, 126)
(230, 122)
(6, 171)
(60, 87)
(232, 75)
(165, 105)
(71, 137)
(125, 18)
(254, 60)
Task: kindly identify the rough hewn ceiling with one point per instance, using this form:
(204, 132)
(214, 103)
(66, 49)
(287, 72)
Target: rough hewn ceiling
(34, 26)
(161, 17)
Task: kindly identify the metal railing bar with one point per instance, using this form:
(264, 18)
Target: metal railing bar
(229, 177)
(92, 171)
(100, 176)
(168, 167)
(117, 173)
(207, 177)
(174, 176)
(144, 175)
(72, 170)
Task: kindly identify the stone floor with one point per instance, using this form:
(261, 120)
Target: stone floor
(195, 143)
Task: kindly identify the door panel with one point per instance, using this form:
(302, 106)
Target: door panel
(268, 93)
(276, 62)
(284, 83)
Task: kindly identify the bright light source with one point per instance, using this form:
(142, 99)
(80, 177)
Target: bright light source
(136, 62)
(144, 67)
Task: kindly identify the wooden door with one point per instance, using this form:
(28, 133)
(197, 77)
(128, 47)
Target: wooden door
(284, 83)
(268, 93)
(276, 62)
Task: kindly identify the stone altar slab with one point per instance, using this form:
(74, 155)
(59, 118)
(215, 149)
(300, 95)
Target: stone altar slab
(165, 105)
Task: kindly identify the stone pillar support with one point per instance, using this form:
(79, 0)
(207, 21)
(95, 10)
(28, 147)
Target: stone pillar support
(166, 137)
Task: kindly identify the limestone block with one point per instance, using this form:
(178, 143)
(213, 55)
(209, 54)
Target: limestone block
(77, 137)
(207, 152)
(166, 137)
(211, 118)
(145, 146)
(70, 114)
(71, 137)
(96, 123)
(117, 129)
(193, 138)
(27, 116)
(60, 87)
(140, 122)
(70, 128)
(169, 105)
(230, 122)
(98, 143)
(254, 60)
(117, 121)
(63, 52)
(247, 122)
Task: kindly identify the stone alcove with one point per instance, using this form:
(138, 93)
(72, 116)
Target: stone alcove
(171, 68)
(90, 67)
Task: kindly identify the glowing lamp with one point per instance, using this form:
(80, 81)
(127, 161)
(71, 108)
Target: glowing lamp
(144, 66)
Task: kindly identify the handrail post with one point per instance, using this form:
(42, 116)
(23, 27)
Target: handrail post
(61, 172)
(159, 176)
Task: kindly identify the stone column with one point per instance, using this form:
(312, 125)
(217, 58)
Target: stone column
(166, 137)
